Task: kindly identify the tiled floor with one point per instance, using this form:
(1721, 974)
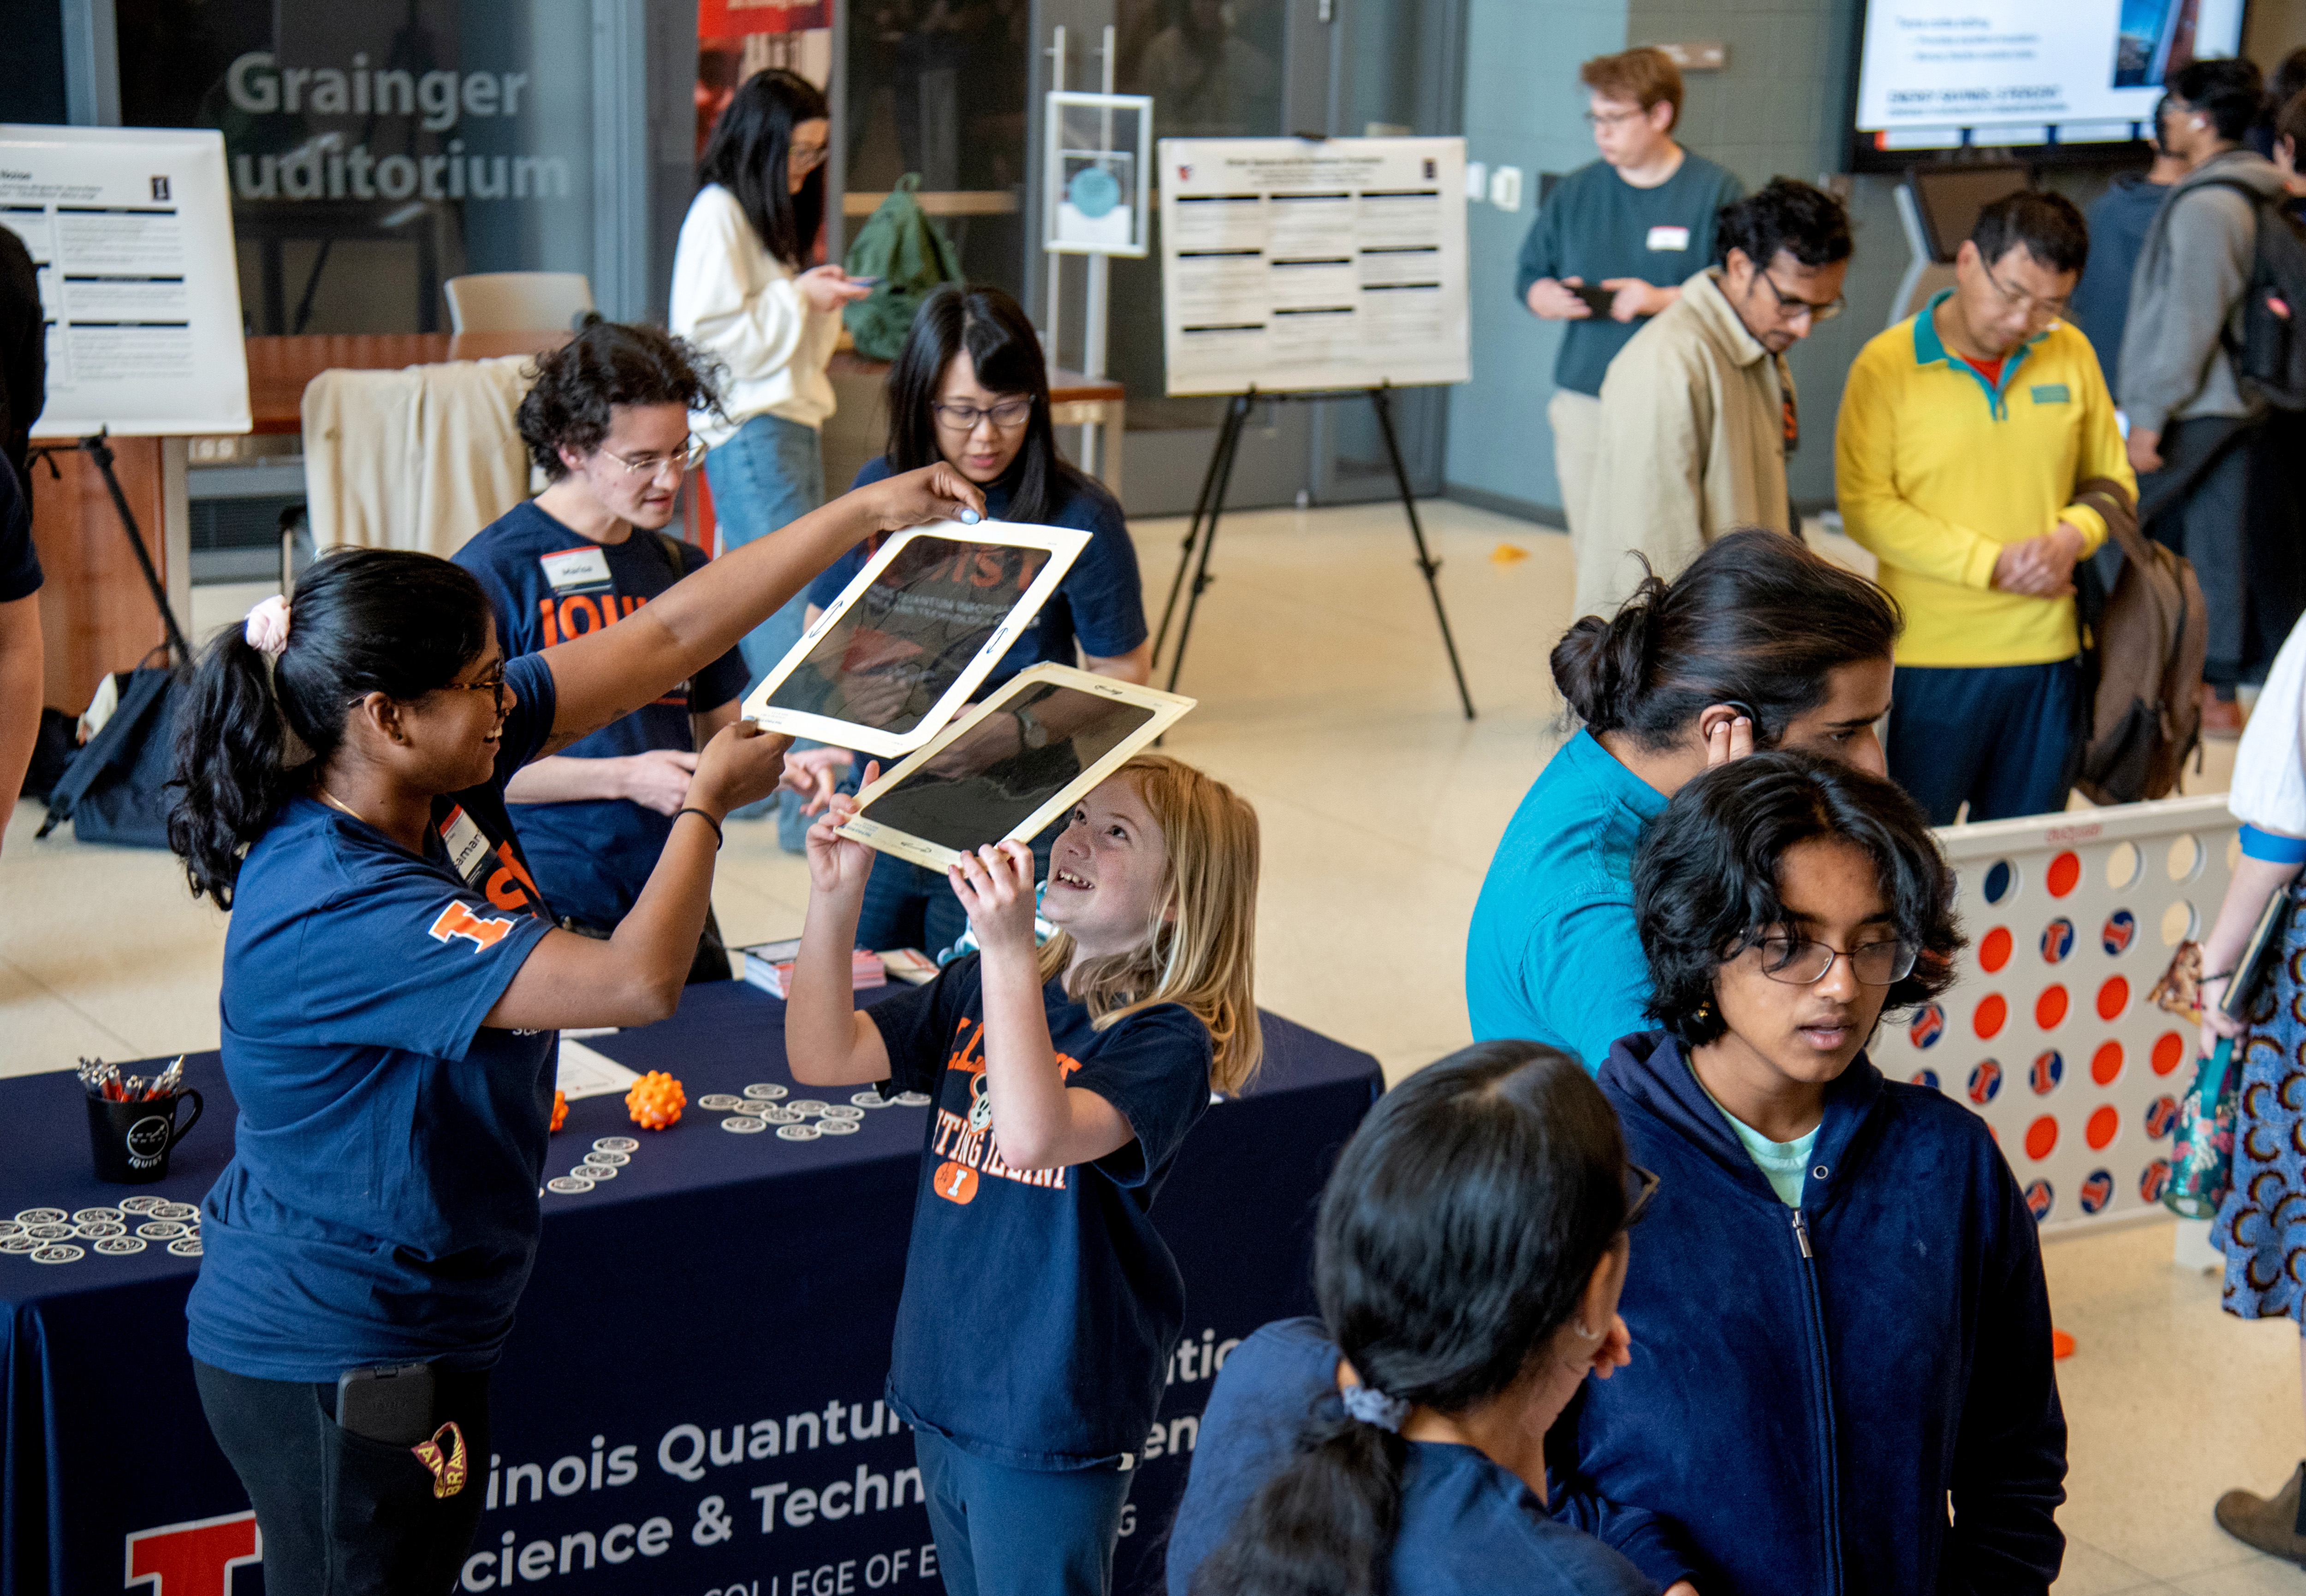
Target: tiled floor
(1327, 699)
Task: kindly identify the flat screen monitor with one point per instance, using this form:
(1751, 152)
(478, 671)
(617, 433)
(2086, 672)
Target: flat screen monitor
(2023, 75)
(1950, 197)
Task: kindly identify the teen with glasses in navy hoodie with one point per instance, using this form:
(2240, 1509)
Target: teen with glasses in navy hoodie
(1839, 1319)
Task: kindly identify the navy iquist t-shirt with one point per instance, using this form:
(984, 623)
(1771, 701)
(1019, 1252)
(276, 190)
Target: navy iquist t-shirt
(381, 1206)
(1100, 602)
(547, 585)
(1468, 1526)
(1040, 1305)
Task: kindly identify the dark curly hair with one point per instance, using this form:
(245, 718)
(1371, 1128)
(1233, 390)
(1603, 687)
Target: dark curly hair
(1785, 214)
(607, 364)
(1757, 619)
(1706, 887)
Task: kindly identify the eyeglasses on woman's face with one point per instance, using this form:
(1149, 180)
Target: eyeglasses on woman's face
(492, 684)
(1008, 415)
(1798, 962)
(687, 458)
(807, 157)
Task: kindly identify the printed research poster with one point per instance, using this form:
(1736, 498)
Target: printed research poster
(1297, 265)
(130, 231)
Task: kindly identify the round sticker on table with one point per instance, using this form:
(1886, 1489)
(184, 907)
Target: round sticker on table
(96, 1230)
(177, 1210)
(595, 1171)
(718, 1102)
(568, 1185)
(612, 1160)
(768, 1092)
(616, 1144)
(868, 1100)
(49, 1232)
(744, 1124)
(121, 1246)
(9, 1227)
(59, 1254)
(837, 1127)
(160, 1230)
(141, 1205)
(841, 1111)
(797, 1132)
(808, 1106)
(189, 1247)
(921, 1099)
(96, 1216)
(20, 1244)
(39, 1215)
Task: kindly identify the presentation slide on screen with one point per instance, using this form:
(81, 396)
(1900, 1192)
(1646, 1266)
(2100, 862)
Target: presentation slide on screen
(1297, 264)
(130, 232)
(2013, 70)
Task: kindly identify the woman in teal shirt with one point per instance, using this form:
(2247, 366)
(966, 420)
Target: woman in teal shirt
(1759, 643)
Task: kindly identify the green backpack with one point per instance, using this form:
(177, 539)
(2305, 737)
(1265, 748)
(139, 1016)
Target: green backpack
(902, 245)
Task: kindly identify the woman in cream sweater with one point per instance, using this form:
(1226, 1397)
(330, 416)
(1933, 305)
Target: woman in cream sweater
(741, 289)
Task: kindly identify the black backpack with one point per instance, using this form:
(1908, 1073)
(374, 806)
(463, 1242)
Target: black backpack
(113, 790)
(2269, 349)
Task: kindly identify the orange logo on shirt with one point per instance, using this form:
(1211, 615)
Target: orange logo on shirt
(457, 920)
(955, 1183)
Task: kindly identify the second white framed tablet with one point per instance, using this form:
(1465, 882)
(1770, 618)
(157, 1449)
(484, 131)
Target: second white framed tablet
(912, 634)
(1012, 764)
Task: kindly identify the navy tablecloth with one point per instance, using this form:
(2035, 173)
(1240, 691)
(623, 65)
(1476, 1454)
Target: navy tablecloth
(690, 1399)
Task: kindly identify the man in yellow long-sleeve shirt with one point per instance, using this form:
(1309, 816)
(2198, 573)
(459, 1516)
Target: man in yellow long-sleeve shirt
(1965, 432)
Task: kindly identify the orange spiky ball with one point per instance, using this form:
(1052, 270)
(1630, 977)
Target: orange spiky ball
(655, 1100)
(559, 1109)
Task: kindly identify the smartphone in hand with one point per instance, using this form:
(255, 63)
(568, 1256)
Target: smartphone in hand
(1597, 298)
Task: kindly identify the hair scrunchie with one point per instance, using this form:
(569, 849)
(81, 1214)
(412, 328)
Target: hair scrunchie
(1373, 1406)
(267, 627)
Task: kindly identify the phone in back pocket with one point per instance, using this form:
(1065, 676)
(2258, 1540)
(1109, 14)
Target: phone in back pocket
(392, 1402)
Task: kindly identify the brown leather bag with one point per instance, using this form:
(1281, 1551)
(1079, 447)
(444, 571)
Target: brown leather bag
(2144, 638)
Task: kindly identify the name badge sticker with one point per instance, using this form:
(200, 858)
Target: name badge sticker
(1668, 238)
(467, 844)
(572, 569)
(2051, 393)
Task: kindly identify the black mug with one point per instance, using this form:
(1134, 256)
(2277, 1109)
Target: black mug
(131, 1141)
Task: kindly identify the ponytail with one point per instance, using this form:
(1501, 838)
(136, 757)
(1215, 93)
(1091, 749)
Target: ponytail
(1325, 1524)
(1756, 619)
(1457, 1238)
(256, 731)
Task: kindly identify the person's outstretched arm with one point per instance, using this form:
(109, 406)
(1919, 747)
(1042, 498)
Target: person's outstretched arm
(607, 674)
(829, 1041)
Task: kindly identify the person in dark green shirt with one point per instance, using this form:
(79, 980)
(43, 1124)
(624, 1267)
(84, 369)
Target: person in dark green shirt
(1637, 222)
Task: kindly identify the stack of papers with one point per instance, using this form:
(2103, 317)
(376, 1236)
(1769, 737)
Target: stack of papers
(769, 966)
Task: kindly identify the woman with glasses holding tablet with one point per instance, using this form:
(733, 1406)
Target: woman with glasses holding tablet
(743, 290)
(971, 388)
(392, 983)
(1838, 1308)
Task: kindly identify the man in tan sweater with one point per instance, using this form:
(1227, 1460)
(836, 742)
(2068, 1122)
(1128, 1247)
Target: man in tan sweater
(1698, 411)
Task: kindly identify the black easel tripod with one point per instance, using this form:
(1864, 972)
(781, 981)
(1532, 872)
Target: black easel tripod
(98, 449)
(1210, 505)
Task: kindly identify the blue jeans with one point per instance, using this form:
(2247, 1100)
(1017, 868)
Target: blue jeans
(769, 475)
(912, 906)
(2004, 738)
(1019, 1531)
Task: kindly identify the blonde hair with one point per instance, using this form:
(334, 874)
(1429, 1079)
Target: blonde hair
(1200, 953)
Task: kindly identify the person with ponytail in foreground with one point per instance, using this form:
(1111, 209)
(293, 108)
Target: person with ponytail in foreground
(1758, 644)
(1468, 1256)
(392, 983)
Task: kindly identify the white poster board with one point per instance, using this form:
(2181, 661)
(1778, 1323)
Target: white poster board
(1298, 264)
(130, 231)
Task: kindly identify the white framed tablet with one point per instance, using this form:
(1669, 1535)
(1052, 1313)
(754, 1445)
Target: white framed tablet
(898, 654)
(1012, 764)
